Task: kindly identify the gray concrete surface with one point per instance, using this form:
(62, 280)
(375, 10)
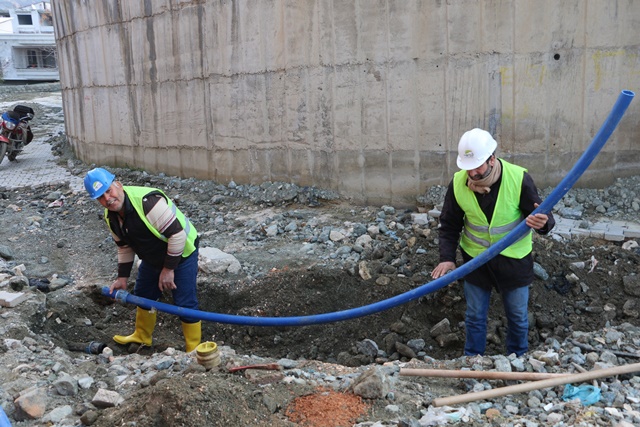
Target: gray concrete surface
(367, 98)
(35, 167)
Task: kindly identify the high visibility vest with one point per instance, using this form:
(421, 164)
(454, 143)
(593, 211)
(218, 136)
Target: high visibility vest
(478, 234)
(136, 194)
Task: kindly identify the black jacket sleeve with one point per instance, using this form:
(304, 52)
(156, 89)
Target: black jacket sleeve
(451, 223)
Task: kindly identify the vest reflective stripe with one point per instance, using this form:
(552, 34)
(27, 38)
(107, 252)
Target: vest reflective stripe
(136, 194)
(483, 242)
(495, 230)
(478, 234)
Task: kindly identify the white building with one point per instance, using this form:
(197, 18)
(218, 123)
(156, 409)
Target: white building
(27, 44)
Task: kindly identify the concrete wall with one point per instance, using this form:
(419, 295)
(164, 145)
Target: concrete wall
(366, 97)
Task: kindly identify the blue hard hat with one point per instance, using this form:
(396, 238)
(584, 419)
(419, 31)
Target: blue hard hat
(98, 181)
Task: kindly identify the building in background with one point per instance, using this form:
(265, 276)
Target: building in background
(27, 43)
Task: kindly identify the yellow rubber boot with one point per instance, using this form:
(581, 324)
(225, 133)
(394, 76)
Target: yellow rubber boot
(192, 335)
(145, 324)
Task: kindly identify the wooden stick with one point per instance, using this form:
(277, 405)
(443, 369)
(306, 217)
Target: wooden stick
(491, 375)
(536, 385)
(267, 366)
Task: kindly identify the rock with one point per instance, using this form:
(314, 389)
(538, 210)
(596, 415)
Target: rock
(405, 350)
(66, 385)
(371, 384)
(389, 342)
(399, 327)
(440, 328)
(364, 240)
(382, 280)
(336, 236)
(214, 261)
(58, 414)
(12, 299)
(631, 308)
(447, 340)
(18, 283)
(632, 285)
(363, 270)
(367, 347)
(106, 399)
(89, 418)
(31, 404)
(540, 272)
(6, 252)
(420, 218)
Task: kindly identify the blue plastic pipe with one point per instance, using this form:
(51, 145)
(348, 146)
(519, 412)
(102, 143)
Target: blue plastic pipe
(4, 421)
(545, 207)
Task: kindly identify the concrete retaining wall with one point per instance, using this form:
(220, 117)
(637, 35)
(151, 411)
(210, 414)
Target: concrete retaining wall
(366, 97)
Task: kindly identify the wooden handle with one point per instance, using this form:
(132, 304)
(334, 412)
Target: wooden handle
(491, 375)
(536, 385)
(268, 366)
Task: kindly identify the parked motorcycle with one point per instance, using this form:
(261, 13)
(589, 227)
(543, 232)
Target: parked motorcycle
(15, 131)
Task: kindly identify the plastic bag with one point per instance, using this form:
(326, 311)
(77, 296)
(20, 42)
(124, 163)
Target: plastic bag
(587, 394)
(441, 416)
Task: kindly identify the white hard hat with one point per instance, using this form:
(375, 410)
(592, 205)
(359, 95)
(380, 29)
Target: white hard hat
(474, 148)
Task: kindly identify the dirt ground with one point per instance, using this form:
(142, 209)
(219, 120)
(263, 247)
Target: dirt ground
(72, 242)
(294, 286)
(77, 246)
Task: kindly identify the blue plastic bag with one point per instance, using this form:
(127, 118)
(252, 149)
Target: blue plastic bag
(587, 394)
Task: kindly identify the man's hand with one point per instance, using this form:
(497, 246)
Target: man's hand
(120, 283)
(442, 269)
(538, 220)
(166, 280)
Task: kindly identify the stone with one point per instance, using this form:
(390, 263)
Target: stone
(106, 399)
(31, 405)
(440, 328)
(11, 299)
(213, 260)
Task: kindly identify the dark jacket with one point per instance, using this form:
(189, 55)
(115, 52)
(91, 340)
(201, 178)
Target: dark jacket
(135, 234)
(500, 272)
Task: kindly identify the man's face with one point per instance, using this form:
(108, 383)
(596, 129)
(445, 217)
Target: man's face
(113, 198)
(482, 170)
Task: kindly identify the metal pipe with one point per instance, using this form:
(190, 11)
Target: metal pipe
(565, 185)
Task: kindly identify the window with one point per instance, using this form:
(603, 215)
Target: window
(32, 58)
(49, 58)
(24, 19)
(35, 58)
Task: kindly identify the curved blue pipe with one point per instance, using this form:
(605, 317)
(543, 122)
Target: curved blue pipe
(545, 207)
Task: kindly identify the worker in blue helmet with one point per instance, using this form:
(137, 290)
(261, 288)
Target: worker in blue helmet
(144, 221)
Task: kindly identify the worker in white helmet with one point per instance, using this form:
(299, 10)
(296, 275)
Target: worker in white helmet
(485, 200)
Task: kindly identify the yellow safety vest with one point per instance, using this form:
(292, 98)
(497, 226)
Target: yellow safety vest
(136, 194)
(478, 234)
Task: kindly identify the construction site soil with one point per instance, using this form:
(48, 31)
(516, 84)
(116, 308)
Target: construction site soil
(69, 240)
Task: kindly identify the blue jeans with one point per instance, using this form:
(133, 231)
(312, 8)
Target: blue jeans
(515, 304)
(185, 278)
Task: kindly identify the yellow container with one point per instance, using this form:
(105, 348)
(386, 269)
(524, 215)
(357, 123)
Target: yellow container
(207, 354)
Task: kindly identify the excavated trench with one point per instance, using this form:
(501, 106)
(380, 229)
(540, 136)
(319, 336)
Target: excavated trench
(571, 299)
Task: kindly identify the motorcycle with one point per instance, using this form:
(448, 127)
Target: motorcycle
(15, 131)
